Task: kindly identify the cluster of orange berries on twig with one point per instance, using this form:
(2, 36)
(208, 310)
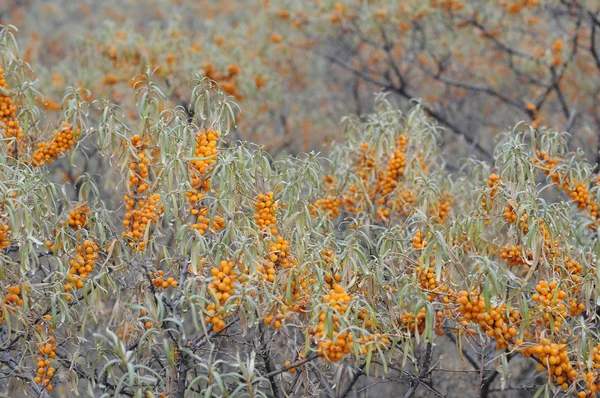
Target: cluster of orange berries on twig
(222, 286)
(277, 315)
(266, 220)
(387, 192)
(441, 211)
(124, 331)
(419, 241)
(265, 217)
(279, 255)
(578, 191)
(205, 154)
(517, 6)
(4, 228)
(428, 281)
(395, 167)
(45, 372)
(412, 323)
(554, 305)
(160, 282)
(554, 359)
(279, 258)
(297, 303)
(510, 213)
(78, 217)
(373, 342)
(47, 352)
(142, 208)
(82, 265)
(574, 268)
(332, 347)
(8, 120)
(514, 255)
(557, 48)
(14, 297)
(592, 377)
(487, 200)
(63, 141)
(330, 205)
(498, 323)
(49, 103)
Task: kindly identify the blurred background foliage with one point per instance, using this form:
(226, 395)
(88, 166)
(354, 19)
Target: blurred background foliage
(298, 67)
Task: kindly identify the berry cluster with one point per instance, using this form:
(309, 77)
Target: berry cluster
(159, 281)
(557, 48)
(297, 302)
(418, 241)
(8, 120)
(405, 201)
(222, 287)
(373, 342)
(428, 282)
(199, 171)
(277, 315)
(498, 323)
(142, 208)
(554, 359)
(78, 217)
(510, 213)
(441, 211)
(515, 256)
(395, 166)
(288, 363)
(493, 183)
(45, 372)
(366, 321)
(47, 352)
(547, 165)
(330, 206)
(4, 228)
(279, 254)
(592, 377)
(332, 347)
(553, 304)
(203, 223)
(14, 295)
(63, 141)
(578, 191)
(13, 298)
(412, 323)
(365, 166)
(579, 194)
(574, 268)
(82, 265)
(85, 260)
(265, 218)
(223, 281)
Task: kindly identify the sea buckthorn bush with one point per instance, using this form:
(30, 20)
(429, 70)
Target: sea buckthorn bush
(147, 251)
